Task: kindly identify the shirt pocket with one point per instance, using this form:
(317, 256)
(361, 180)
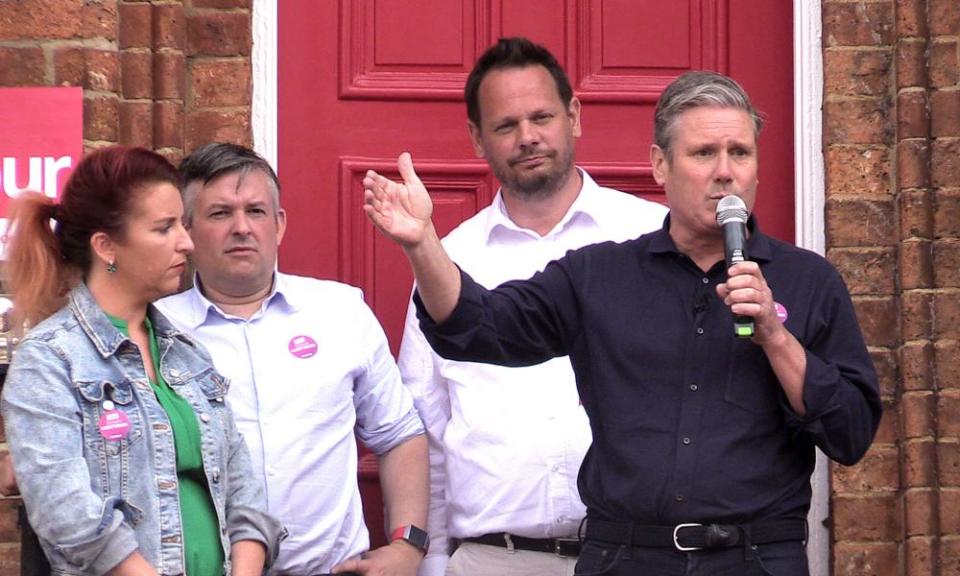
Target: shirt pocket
(109, 459)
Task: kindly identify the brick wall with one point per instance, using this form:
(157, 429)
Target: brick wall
(164, 74)
(892, 146)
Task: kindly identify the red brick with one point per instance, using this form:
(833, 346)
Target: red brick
(944, 64)
(169, 26)
(102, 70)
(9, 528)
(949, 556)
(878, 320)
(100, 19)
(857, 170)
(220, 83)
(945, 112)
(916, 264)
(947, 354)
(889, 430)
(100, 118)
(219, 34)
(920, 509)
(135, 26)
(222, 4)
(913, 116)
(860, 222)
(168, 124)
(878, 472)
(950, 511)
(916, 214)
(10, 559)
(69, 66)
(136, 124)
(137, 66)
(920, 552)
(946, 260)
(205, 126)
(40, 19)
(948, 413)
(944, 18)
(169, 74)
(946, 217)
(885, 363)
(945, 162)
(911, 63)
(916, 365)
(21, 66)
(948, 456)
(858, 24)
(865, 559)
(856, 72)
(913, 162)
(916, 315)
(865, 270)
(860, 121)
(920, 463)
(873, 517)
(911, 18)
(919, 414)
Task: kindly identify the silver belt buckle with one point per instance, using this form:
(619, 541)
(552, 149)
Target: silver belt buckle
(676, 544)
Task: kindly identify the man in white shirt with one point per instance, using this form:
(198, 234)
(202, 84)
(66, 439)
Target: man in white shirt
(506, 443)
(309, 367)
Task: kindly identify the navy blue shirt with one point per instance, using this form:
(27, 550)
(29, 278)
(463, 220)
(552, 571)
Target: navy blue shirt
(689, 422)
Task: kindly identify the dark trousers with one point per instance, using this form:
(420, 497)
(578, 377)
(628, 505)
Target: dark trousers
(778, 559)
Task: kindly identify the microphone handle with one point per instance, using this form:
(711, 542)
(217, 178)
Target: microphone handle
(735, 250)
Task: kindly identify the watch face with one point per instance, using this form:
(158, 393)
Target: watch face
(414, 535)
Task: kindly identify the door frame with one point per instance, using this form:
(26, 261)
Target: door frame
(808, 177)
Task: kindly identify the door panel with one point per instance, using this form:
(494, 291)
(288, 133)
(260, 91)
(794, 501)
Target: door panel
(363, 80)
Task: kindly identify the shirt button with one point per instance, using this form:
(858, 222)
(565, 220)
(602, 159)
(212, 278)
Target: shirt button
(705, 280)
(699, 330)
(693, 387)
(204, 417)
(678, 497)
(555, 468)
(686, 441)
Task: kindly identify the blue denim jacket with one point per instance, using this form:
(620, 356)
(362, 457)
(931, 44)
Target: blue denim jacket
(93, 501)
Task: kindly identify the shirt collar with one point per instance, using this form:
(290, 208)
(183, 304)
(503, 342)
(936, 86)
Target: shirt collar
(758, 244)
(585, 209)
(201, 307)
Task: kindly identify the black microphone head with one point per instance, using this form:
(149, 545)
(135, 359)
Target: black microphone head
(731, 209)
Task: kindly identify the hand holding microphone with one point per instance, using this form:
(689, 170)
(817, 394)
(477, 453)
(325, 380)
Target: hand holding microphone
(732, 217)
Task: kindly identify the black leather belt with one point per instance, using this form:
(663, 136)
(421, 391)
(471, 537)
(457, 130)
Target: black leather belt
(564, 547)
(688, 537)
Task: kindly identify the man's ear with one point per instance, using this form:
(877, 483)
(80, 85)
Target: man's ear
(103, 247)
(573, 111)
(475, 138)
(281, 224)
(660, 163)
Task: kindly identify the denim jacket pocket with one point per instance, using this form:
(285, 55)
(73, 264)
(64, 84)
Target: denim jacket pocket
(110, 470)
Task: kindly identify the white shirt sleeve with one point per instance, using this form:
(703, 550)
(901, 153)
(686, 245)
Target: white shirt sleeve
(421, 376)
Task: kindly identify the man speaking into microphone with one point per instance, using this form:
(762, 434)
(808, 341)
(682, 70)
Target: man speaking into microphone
(703, 440)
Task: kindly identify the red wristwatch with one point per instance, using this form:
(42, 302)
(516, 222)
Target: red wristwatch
(416, 537)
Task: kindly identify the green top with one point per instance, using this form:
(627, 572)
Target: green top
(198, 518)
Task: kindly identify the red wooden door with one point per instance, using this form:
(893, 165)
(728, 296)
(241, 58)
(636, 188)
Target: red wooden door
(362, 80)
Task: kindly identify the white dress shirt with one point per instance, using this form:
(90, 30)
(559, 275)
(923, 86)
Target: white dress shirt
(506, 444)
(309, 369)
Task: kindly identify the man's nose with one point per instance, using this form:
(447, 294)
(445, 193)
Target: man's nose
(241, 224)
(723, 172)
(529, 136)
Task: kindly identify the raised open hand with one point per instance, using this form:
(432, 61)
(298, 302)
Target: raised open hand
(401, 211)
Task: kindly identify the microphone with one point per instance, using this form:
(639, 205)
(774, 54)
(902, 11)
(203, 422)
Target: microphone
(732, 217)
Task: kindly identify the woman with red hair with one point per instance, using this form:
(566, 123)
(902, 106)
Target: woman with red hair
(125, 452)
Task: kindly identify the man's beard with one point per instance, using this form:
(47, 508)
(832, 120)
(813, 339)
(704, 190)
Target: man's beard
(539, 184)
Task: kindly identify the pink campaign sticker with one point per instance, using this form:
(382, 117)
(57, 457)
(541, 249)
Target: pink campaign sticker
(781, 312)
(302, 346)
(114, 424)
